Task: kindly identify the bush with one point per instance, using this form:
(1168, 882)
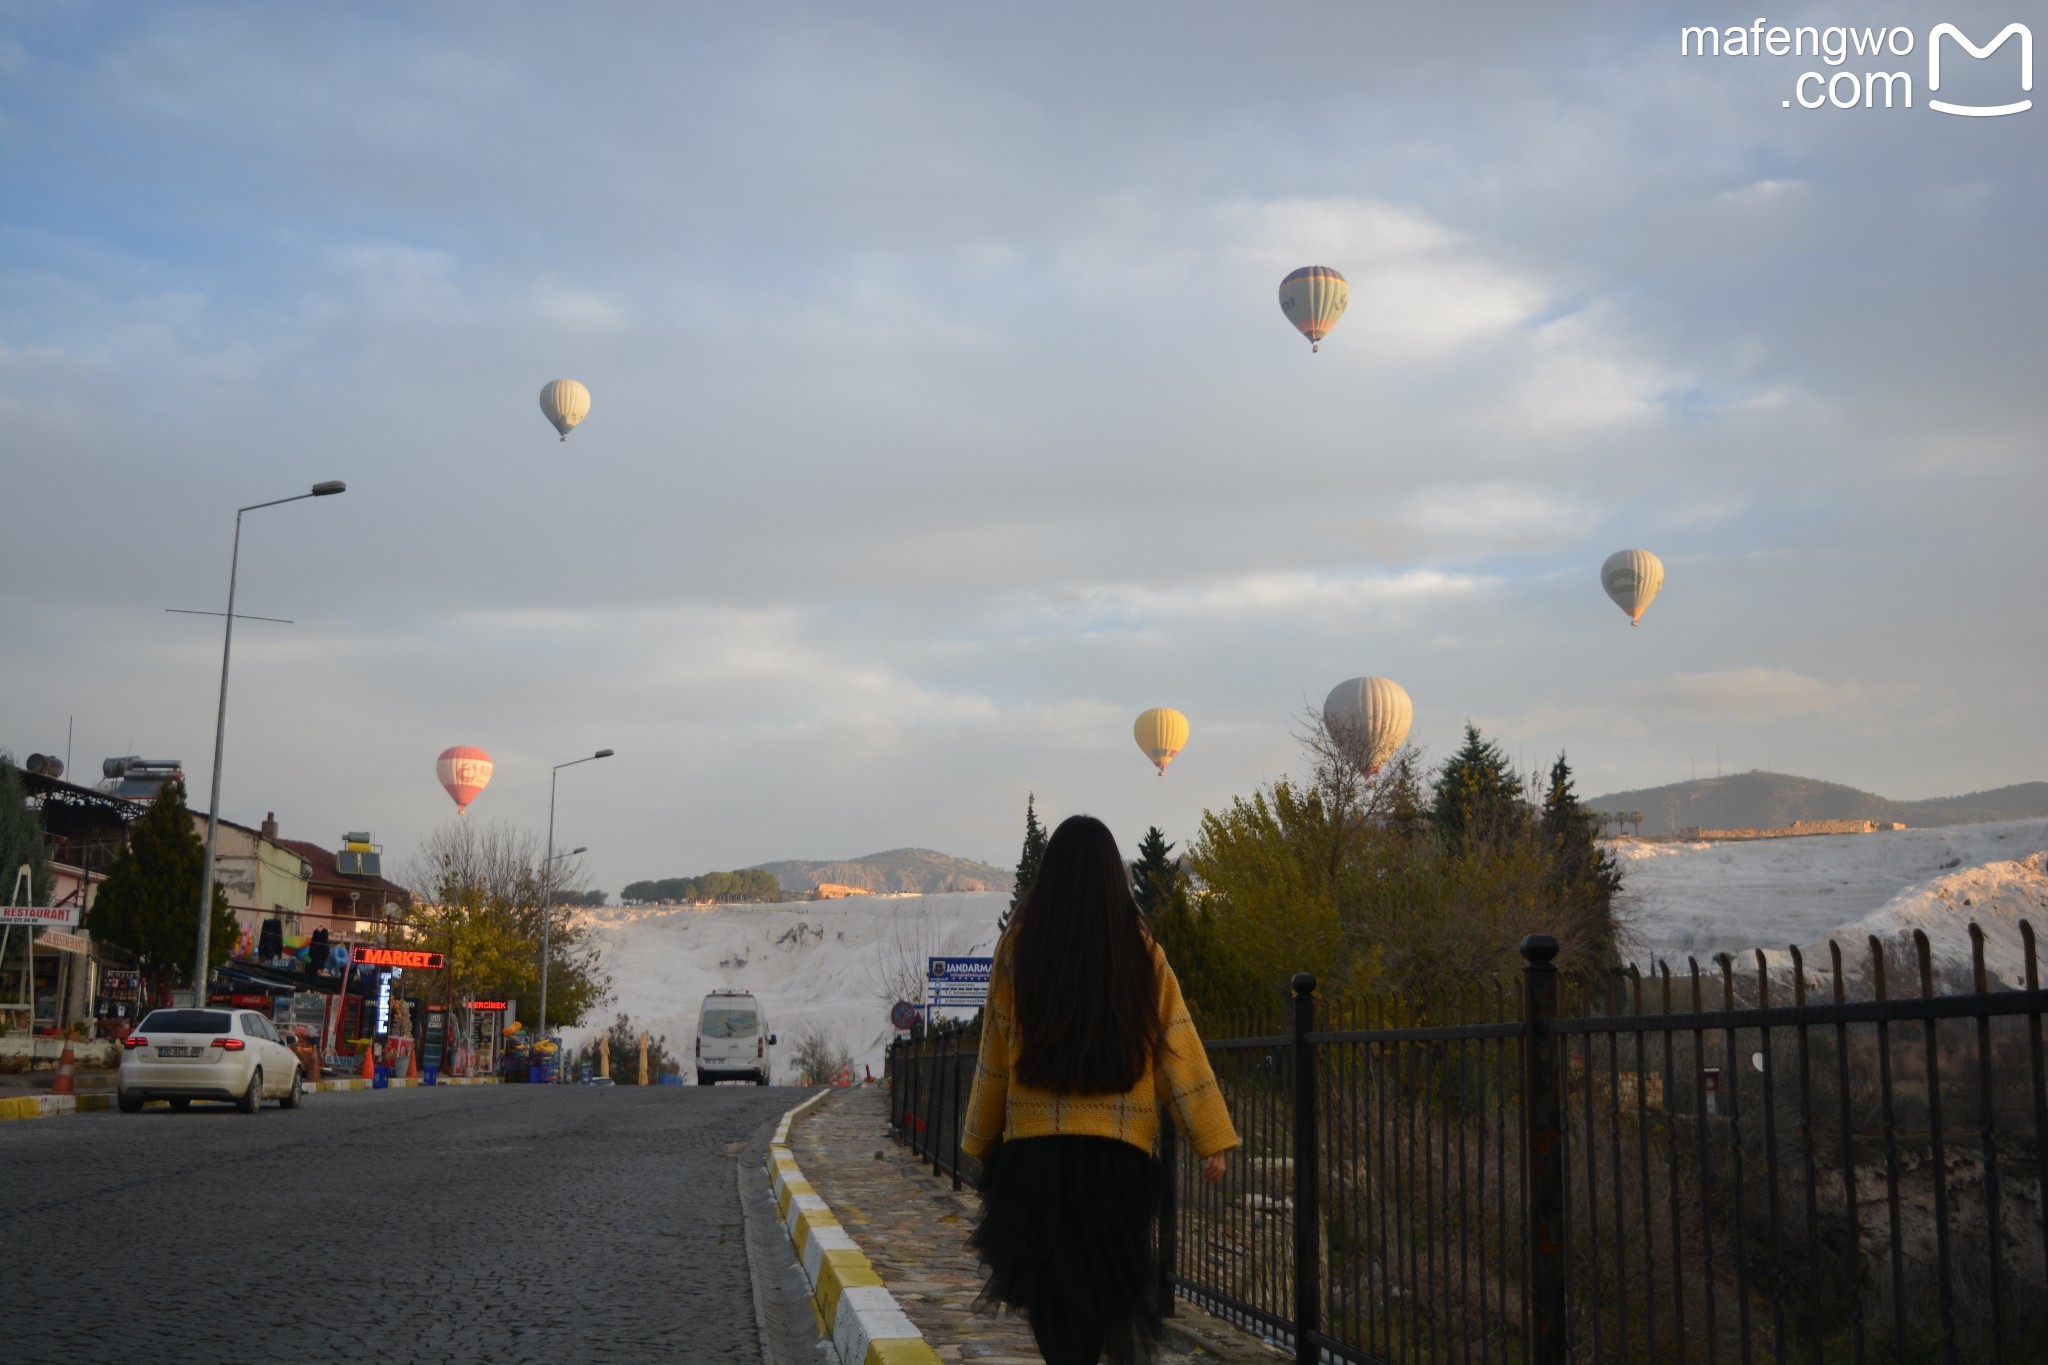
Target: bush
(819, 1056)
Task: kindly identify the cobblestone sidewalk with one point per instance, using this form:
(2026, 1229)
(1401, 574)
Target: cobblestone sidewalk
(914, 1227)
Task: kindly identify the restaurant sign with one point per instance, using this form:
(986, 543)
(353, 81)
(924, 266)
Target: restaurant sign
(53, 915)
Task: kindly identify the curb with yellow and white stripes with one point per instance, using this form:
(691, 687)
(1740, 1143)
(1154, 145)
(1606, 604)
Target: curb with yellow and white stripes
(866, 1324)
(50, 1106)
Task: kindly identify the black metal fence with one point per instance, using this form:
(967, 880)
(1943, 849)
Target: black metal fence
(929, 1081)
(1683, 1168)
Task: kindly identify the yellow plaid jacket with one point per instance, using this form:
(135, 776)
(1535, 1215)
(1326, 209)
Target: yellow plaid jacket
(1000, 1108)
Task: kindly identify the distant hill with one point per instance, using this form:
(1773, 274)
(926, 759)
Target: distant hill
(2023, 801)
(1761, 800)
(898, 869)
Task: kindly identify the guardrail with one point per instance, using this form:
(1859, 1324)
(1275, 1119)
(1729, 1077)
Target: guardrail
(929, 1081)
(1636, 1169)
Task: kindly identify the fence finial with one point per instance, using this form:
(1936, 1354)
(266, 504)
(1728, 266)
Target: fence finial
(1304, 983)
(1539, 948)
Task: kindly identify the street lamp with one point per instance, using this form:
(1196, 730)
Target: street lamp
(220, 725)
(547, 887)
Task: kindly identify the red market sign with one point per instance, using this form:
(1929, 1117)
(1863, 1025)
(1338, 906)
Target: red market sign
(488, 1006)
(395, 957)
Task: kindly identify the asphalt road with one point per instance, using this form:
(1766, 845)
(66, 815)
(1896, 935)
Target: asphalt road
(493, 1224)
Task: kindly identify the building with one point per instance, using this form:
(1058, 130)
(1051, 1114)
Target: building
(263, 879)
(346, 893)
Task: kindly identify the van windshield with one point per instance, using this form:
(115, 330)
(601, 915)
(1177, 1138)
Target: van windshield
(730, 1021)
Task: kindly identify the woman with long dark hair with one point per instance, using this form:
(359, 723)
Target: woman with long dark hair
(1084, 1037)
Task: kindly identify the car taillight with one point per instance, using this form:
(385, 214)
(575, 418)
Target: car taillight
(760, 1046)
(231, 1044)
(134, 1040)
(700, 1047)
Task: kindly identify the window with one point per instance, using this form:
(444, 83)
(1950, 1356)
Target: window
(729, 1021)
(187, 1021)
(252, 1025)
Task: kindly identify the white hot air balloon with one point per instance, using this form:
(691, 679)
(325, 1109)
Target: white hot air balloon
(565, 403)
(1633, 578)
(1369, 718)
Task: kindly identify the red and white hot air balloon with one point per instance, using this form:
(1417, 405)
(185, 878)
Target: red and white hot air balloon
(464, 772)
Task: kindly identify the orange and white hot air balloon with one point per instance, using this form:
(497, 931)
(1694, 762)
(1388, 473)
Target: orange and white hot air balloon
(1313, 298)
(464, 772)
(1162, 733)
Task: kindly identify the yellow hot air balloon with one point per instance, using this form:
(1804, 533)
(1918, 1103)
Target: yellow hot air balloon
(1162, 733)
(1633, 578)
(565, 403)
(1369, 719)
(1313, 298)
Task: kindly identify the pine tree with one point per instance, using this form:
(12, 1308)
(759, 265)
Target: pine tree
(148, 907)
(1027, 861)
(21, 838)
(1583, 877)
(1156, 875)
(1478, 796)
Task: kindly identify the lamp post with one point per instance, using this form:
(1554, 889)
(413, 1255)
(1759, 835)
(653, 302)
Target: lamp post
(220, 725)
(547, 887)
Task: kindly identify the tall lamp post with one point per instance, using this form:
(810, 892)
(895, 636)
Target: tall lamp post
(220, 726)
(547, 885)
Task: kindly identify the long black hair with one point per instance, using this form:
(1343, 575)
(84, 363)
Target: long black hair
(1087, 989)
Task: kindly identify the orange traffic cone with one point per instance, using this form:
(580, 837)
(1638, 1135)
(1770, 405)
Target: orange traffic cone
(870, 1073)
(369, 1064)
(62, 1085)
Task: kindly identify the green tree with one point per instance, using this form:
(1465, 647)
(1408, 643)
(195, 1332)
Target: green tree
(1478, 797)
(478, 894)
(1027, 861)
(21, 837)
(1156, 874)
(1584, 880)
(149, 905)
(624, 1041)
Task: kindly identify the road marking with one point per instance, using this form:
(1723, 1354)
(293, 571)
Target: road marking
(866, 1324)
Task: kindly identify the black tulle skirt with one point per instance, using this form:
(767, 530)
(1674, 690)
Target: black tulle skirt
(1066, 1234)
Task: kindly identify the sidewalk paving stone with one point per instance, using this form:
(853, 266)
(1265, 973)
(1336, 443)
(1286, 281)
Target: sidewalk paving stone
(914, 1227)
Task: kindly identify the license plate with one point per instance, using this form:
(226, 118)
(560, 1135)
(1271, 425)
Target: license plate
(177, 1052)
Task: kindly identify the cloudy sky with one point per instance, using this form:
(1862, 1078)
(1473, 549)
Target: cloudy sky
(944, 417)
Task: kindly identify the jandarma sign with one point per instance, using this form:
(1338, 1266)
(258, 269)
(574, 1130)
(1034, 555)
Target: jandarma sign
(1854, 54)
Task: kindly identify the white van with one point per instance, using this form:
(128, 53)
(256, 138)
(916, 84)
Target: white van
(732, 1039)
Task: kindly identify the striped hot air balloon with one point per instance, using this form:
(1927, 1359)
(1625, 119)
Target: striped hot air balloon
(1633, 578)
(565, 403)
(1313, 298)
(1369, 719)
(1162, 733)
(464, 772)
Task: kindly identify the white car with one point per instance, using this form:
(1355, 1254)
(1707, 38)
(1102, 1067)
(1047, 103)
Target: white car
(732, 1039)
(182, 1055)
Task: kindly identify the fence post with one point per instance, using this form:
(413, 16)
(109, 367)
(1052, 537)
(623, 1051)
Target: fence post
(959, 1113)
(1169, 1210)
(1543, 1153)
(1307, 1291)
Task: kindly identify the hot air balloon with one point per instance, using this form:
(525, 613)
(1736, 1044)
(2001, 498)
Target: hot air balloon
(1162, 733)
(464, 772)
(1313, 298)
(1633, 578)
(1369, 718)
(565, 403)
